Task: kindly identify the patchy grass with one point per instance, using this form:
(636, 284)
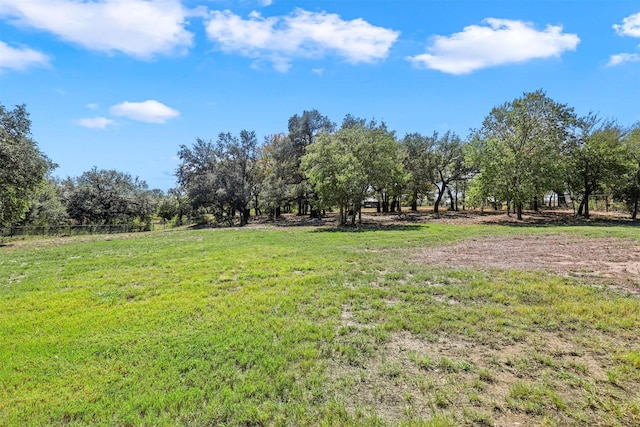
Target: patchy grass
(305, 326)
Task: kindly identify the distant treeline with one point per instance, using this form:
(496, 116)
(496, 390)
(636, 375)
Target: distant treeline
(523, 150)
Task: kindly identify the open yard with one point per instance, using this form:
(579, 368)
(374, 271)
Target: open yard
(412, 321)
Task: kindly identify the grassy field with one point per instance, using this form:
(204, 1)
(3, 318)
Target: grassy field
(309, 326)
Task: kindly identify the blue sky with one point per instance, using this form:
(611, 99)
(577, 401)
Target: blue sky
(121, 84)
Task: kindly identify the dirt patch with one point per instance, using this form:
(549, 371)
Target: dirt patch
(409, 377)
(615, 260)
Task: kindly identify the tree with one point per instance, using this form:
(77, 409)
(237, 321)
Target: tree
(303, 131)
(597, 159)
(446, 164)
(101, 196)
(348, 164)
(221, 177)
(46, 208)
(276, 166)
(336, 172)
(23, 168)
(518, 149)
(381, 157)
(628, 186)
(417, 149)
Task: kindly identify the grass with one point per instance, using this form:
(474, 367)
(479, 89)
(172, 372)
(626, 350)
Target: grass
(298, 326)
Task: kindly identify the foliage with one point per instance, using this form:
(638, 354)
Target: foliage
(23, 168)
(627, 186)
(519, 149)
(344, 166)
(46, 208)
(447, 164)
(597, 158)
(221, 177)
(101, 196)
(417, 151)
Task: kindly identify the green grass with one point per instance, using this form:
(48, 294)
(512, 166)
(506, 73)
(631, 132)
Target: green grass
(299, 326)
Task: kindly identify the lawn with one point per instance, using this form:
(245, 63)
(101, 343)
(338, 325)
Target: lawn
(315, 326)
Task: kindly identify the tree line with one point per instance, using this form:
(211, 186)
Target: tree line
(524, 149)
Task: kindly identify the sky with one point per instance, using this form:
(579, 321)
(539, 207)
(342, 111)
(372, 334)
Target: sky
(122, 84)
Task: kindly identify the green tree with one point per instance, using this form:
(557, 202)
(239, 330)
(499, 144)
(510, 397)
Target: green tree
(519, 148)
(446, 164)
(354, 161)
(23, 167)
(46, 207)
(101, 196)
(382, 158)
(597, 159)
(628, 186)
(336, 172)
(276, 169)
(417, 150)
(221, 176)
(303, 131)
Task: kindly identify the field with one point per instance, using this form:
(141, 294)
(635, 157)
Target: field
(437, 322)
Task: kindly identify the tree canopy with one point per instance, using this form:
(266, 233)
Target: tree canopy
(23, 167)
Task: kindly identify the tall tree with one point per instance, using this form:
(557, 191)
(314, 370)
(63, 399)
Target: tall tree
(221, 176)
(628, 185)
(597, 159)
(417, 151)
(447, 164)
(303, 131)
(23, 167)
(347, 165)
(518, 149)
(337, 173)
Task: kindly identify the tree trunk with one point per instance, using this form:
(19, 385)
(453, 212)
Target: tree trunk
(519, 210)
(451, 206)
(414, 202)
(634, 214)
(436, 205)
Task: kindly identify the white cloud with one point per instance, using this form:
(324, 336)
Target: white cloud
(301, 34)
(150, 111)
(20, 58)
(621, 58)
(95, 122)
(266, 2)
(139, 28)
(630, 26)
(500, 42)
(92, 106)
(318, 71)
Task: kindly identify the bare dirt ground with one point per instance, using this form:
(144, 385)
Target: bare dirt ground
(617, 261)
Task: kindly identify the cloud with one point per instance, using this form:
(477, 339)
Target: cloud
(92, 106)
(20, 58)
(499, 42)
(630, 26)
(95, 122)
(139, 28)
(301, 34)
(621, 58)
(150, 111)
